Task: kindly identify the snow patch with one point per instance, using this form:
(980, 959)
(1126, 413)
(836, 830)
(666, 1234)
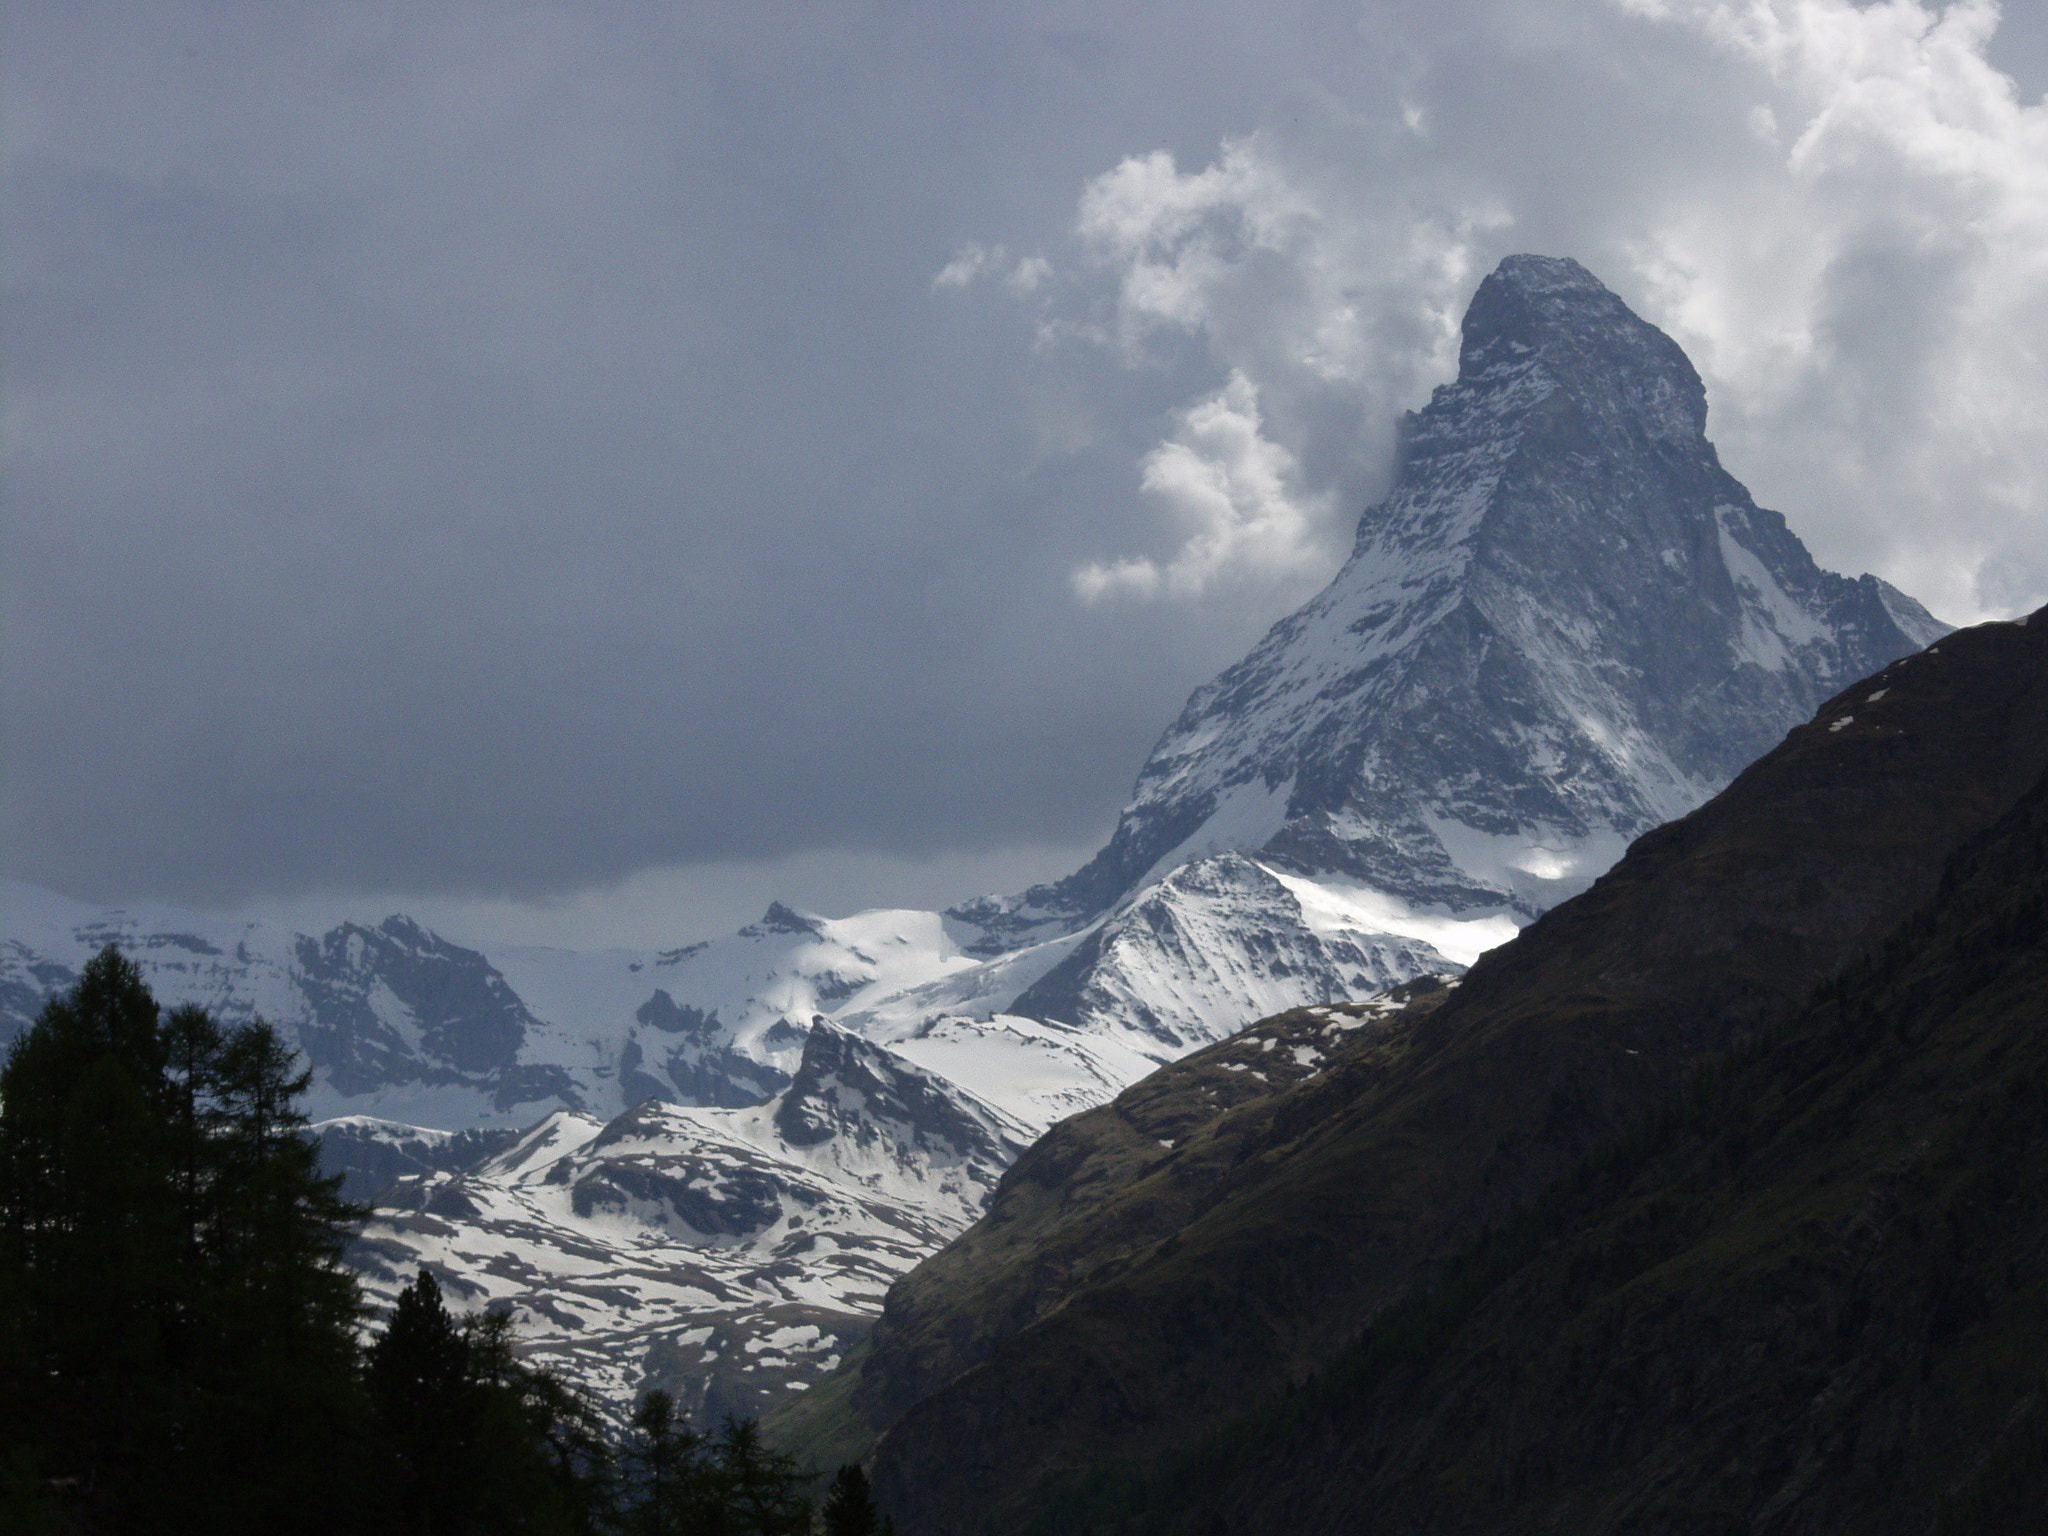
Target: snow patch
(1773, 623)
(1247, 817)
(1332, 905)
(1539, 865)
(1033, 1073)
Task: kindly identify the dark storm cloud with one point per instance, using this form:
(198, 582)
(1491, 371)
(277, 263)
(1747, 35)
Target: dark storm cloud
(496, 449)
(503, 447)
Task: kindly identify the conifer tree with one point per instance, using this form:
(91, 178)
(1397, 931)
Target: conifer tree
(179, 1340)
(178, 1343)
(89, 1246)
(849, 1508)
(192, 1049)
(419, 1375)
(671, 1492)
(762, 1489)
(280, 1223)
(577, 1449)
(482, 1441)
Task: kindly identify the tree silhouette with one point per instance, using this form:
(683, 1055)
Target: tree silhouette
(178, 1337)
(180, 1343)
(849, 1508)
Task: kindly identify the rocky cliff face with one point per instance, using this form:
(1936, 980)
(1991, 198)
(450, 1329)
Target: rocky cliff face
(1565, 624)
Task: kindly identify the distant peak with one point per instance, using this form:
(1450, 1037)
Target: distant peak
(1530, 299)
(781, 919)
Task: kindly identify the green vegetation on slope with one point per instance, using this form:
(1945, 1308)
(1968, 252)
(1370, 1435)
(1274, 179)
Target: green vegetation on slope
(1098, 1193)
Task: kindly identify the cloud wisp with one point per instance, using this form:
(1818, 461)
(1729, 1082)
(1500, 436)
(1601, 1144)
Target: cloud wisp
(1236, 498)
(1879, 340)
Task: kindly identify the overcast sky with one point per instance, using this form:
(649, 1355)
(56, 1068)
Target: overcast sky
(584, 469)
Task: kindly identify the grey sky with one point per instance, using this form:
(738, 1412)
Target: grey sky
(601, 464)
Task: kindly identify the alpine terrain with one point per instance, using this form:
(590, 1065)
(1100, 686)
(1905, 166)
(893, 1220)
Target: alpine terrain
(702, 1166)
(1565, 624)
(1711, 1202)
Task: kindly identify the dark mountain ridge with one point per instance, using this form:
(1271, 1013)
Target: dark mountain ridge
(1365, 1182)
(1809, 1296)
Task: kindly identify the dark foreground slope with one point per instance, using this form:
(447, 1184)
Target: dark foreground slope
(1006, 1385)
(1810, 1296)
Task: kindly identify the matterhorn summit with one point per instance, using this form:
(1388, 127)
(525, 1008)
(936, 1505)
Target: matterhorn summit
(1565, 624)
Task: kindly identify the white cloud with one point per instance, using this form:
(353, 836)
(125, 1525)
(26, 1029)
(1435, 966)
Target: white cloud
(660, 907)
(1028, 275)
(1872, 320)
(968, 263)
(1843, 217)
(1330, 313)
(1270, 257)
(973, 260)
(1236, 499)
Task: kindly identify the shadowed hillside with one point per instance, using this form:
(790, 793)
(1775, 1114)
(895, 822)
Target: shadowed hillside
(1011, 1371)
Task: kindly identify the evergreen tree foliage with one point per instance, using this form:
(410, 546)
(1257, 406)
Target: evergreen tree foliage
(179, 1345)
(669, 1489)
(482, 1441)
(679, 1483)
(180, 1337)
(419, 1380)
(849, 1508)
(577, 1448)
(761, 1488)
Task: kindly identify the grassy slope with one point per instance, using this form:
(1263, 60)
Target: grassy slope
(1097, 1194)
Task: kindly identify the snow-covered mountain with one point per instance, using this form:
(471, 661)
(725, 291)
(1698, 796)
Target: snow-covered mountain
(402, 1026)
(1565, 624)
(727, 1255)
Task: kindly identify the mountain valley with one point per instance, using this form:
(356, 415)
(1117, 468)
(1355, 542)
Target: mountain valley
(703, 1167)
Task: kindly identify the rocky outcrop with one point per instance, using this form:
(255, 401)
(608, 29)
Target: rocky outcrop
(729, 1256)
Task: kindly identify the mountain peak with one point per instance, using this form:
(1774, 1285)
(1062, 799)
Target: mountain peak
(1545, 274)
(1565, 624)
(850, 1087)
(781, 919)
(1550, 312)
